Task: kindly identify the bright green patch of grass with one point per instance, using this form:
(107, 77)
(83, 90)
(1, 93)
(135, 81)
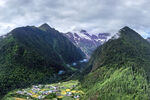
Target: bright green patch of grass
(62, 87)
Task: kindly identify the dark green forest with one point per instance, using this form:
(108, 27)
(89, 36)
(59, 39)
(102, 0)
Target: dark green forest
(34, 55)
(119, 69)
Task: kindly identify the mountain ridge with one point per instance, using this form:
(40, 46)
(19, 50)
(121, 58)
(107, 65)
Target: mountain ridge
(119, 69)
(29, 55)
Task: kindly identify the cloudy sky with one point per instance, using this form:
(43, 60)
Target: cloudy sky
(72, 15)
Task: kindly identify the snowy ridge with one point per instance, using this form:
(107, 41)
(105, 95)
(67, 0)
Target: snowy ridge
(87, 42)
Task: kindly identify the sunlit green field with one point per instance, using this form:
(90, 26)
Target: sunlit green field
(59, 91)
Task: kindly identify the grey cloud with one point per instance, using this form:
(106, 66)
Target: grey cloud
(68, 15)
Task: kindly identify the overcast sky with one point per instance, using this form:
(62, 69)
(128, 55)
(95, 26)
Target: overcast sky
(94, 16)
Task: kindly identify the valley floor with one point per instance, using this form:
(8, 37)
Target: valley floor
(59, 91)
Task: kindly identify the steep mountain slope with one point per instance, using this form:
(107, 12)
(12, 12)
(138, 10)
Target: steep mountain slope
(31, 55)
(119, 69)
(86, 42)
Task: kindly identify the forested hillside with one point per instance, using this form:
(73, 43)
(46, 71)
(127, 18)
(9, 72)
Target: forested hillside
(119, 69)
(32, 55)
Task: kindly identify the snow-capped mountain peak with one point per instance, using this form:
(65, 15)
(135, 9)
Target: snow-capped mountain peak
(87, 42)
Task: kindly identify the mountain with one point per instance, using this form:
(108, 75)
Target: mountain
(148, 39)
(86, 42)
(119, 69)
(34, 55)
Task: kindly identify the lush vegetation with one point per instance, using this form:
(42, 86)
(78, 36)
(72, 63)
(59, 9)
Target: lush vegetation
(30, 55)
(119, 70)
(58, 91)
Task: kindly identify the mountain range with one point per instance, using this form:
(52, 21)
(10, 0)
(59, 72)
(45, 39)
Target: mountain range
(118, 68)
(87, 42)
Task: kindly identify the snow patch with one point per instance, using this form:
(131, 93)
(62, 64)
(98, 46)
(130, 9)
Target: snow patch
(84, 36)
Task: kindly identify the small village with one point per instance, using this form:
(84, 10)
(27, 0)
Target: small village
(59, 91)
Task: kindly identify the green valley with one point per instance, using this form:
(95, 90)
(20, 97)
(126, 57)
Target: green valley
(58, 91)
(35, 55)
(74, 50)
